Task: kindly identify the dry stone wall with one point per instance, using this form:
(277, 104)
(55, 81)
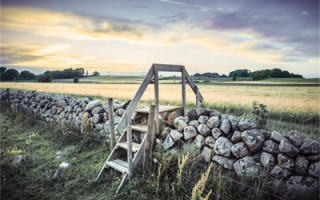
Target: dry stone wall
(241, 146)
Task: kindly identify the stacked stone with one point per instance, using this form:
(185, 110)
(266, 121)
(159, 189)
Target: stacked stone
(245, 148)
(65, 109)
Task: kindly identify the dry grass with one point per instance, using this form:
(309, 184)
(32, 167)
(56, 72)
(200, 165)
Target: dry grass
(295, 99)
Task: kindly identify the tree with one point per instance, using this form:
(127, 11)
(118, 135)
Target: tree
(26, 75)
(239, 73)
(10, 74)
(76, 79)
(45, 78)
(96, 73)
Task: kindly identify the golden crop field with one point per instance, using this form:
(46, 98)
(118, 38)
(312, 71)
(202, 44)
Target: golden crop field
(294, 99)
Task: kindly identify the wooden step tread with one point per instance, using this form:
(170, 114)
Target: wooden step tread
(135, 146)
(139, 127)
(119, 165)
(161, 109)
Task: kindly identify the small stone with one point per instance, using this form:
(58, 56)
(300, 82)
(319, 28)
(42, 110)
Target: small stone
(253, 138)
(287, 148)
(226, 163)
(247, 166)
(271, 147)
(279, 172)
(223, 146)
(285, 162)
(172, 116)
(267, 160)
(64, 165)
(236, 137)
(210, 141)
(194, 123)
(213, 122)
(216, 133)
(203, 111)
(301, 164)
(296, 140)
(189, 132)
(192, 114)
(199, 141)
(92, 104)
(265, 133)
(246, 124)
(97, 118)
(314, 169)
(203, 130)
(276, 136)
(120, 111)
(302, 185)
(18, 160)
(206, 154)
(239, 150)
(225, 126)
(165, 132)
(215, 113)
(168, 143)
(314, 158)
(97, 110)
(310, 146)
(176, 135)
(180, 123)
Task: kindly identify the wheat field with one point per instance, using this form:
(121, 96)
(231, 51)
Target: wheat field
(300, 99)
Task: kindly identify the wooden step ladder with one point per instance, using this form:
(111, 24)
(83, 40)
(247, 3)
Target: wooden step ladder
(136, 139)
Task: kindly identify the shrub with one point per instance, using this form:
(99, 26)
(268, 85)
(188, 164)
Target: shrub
(260, 113)
(45, 78)
(76, 79)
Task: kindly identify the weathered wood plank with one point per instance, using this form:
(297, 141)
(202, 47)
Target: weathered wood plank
(168, 67)
(124, 145)
(149, 142)
(164, 108)
(111, 121)
(139, 127)
(193, 86)
(129, 144)
(197, 98)
(115, 165)
(156, 97)
(121, 126)
(183, 83)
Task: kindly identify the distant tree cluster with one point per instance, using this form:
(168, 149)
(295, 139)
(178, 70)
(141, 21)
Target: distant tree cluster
(263, 74)
(66, 73)
(13, 74)
(208, 75)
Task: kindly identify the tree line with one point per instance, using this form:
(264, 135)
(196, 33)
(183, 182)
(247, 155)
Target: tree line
(47, 76)
(256, 75)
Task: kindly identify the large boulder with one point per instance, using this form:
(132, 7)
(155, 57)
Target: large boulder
(92, 104)
(276, 136)
(239, 150)
(271, 147)
(253, 138)
(189, 132)
(247, 166)
(176, 135)
(287, 148)
(236, 137)
(203, 119)
(204, 130)
(192, 114)
(310, 146)
(285, 162)
(206, 154)
(213, 122)
(225, 126)
(223, 146)
(203, 111)
(199, 141)
(301, 164)
(314, 169)
(246, 124)
(234, 123)
(216, 133)
(168, 143)
(226, 163)
(267, 160)
(295, 139)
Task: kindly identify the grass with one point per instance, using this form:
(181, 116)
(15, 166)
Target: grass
(176, 175)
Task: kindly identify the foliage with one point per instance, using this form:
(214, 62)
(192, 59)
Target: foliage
(96, 73)
(66, 73)
(45, 78)
(76, 79)
(198, 189)
(8, 74)
(181, 164)
(263, 74)
(26, 75)
(260, 113)
(208, 75)
(239, 73)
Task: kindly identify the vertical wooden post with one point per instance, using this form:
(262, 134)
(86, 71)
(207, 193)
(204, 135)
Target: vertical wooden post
(129, 144)
(8, 95)
(156, 97)
(197, 98)
(150, 136)
(183, 82)
(111, 121)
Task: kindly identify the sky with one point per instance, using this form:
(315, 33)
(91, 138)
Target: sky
(127, 36)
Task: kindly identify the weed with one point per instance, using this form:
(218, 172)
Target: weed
(199, 188)
(181, 164)
(260, 112)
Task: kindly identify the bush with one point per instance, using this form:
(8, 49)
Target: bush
(260, 113)
(45, 78)
(76, 79)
